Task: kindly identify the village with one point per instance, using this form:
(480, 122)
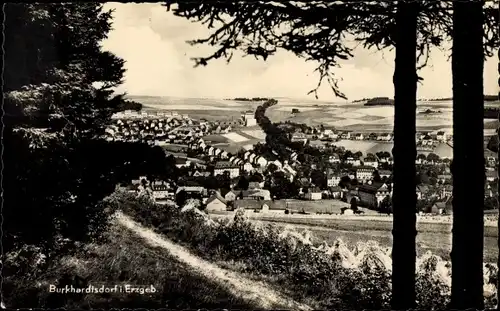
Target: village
(258, 180)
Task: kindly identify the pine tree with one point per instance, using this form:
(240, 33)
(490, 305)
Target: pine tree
(54, 116)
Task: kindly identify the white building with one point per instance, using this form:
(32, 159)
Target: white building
(223, 166)
(441, 136)
(364, 173)
(371, 162)
(262, 162)
(334, 158)
(333, 180)
(247, 167)
(249, 118)
(314, 194)
(246, 155)
(353, 161)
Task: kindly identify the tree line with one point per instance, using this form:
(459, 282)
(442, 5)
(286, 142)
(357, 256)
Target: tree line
(58, 100)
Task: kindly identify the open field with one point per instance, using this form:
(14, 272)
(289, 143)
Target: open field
(301, 108)
(435, 237)
(329, 206)
(215, 138)
(342, 115)
(234, 147)
(257, 133)
(235, 137)
(365, 146)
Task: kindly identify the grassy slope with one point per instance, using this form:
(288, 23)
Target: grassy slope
(125, 259)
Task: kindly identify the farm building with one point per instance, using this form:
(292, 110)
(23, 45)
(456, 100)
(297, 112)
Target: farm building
(254, 194)
(216, 203)
(313, 194)
(262, 206)
(231, 195)
(370, 195)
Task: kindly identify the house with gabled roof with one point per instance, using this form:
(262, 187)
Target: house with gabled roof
(216, 203)
(370, 195)
(313, 193)
(231, 195)
(224, 154)
(248, 167)
(384, 173)
(211, 151)
(223, 166)
(359, 136)
(246, 155)
(251, 158)
(260, 161)
(442, 207)
(278, 164)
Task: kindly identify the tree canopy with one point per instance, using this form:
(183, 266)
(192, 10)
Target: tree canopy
(59, 99)
(317, 31)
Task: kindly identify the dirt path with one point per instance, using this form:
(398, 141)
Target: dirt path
(253, 291)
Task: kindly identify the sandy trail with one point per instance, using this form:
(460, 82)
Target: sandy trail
(255, 292)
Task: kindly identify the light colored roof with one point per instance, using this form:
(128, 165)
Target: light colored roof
(224, 164)
(216, 196)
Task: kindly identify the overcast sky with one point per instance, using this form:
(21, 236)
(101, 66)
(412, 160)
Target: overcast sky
(152, 41)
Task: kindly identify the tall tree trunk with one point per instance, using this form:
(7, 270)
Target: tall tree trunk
(498, 190)
(468, 156)
(404, 152)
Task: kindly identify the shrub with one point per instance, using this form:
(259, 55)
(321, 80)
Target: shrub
(334, 276)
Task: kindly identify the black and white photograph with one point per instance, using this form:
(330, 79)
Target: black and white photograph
(291, 155)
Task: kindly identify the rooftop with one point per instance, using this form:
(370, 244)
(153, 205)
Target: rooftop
(225, 164)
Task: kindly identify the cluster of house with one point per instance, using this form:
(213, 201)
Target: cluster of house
(432, 139)
(331, 134)
(155, 128)
(423, 138)
(132, 114)
(255, 198)
(159, 129)
(248, 162)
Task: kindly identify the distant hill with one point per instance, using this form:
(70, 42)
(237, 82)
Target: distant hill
(254, 99)
(129, 105)
(377, 101)
(487, 98)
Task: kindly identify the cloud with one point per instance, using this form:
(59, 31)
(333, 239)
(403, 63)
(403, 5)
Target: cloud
(158, 62)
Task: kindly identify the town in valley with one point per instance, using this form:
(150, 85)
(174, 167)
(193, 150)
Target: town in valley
(228, 163)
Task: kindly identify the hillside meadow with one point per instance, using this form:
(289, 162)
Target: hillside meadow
(435, 237)
(122, 258)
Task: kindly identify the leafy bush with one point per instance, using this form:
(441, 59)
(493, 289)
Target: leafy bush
(125, 260)
(334, 276)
